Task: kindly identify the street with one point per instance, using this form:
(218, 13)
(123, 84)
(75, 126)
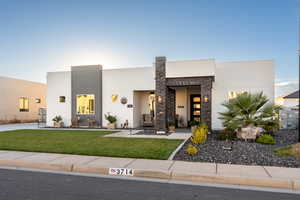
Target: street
(23, 185)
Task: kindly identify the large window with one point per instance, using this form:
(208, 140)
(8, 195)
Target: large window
(85, 104)
(24, 104)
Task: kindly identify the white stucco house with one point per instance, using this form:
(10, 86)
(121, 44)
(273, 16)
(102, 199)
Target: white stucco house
(164, 92)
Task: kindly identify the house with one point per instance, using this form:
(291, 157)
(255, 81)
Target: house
(289, 115)
(291, 100)
(167, 91)
(21, 100)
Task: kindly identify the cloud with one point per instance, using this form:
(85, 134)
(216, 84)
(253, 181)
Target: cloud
(284, 87)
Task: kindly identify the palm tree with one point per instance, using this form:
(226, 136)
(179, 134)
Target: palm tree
(249, 109)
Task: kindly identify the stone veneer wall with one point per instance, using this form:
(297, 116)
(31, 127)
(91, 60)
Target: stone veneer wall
(205, 84)
(165, 90)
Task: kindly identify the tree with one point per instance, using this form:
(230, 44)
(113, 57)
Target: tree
(249, 109)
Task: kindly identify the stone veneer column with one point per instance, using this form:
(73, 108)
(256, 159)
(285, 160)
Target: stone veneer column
(171, 107)
(206, 87)
(161, 94)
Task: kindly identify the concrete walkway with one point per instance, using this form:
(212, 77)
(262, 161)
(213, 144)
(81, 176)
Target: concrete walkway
(128, 134)
(11, 127)
(275, 177)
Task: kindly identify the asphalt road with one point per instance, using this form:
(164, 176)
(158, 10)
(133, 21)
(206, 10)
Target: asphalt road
(27, 185)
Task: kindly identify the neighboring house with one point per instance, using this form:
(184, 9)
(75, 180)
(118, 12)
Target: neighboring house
(291, 100)
(289, 115)
(165, 92)
(21, 100)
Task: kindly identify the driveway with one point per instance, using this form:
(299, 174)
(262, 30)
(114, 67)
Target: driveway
(10, 127)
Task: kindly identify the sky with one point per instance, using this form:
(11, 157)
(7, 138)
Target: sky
(41, 36)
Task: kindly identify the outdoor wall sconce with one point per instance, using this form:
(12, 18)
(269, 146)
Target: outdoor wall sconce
(114, 97)
(123, 100)
(159, 99)
(205, 99)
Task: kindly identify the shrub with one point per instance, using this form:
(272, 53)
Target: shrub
(200, 134)
(191, 150)
(247, 109)
(266, 139)
(226, 135)
(110, 118)
(193, 123)
(57, 119)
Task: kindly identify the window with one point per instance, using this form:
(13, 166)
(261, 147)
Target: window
(62, 99)
(234, 94)
(24, 104)
(196, 99)
(85, 104)
(37, 100)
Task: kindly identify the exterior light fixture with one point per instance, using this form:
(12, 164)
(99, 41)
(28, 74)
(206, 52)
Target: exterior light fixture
(159, 99)
(205, 99)
(114, 97)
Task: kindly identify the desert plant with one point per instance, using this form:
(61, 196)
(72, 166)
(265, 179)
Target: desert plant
(266, 139)
(57, 119)
(110, 118)
(193, 123)
(200, 134)
(248, 109)
(191, 150)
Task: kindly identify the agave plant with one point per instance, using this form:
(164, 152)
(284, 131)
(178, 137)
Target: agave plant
(249, 109)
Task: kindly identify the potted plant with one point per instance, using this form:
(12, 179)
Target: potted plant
(111, 121)
(171, 126)
(193, 125)
(57, 122)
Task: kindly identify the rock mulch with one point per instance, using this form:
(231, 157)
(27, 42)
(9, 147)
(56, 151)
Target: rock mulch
(243, 153)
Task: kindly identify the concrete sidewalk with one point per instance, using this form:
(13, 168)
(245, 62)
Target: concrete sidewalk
(275, 177)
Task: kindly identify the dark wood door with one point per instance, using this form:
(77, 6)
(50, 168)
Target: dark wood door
(195, 109)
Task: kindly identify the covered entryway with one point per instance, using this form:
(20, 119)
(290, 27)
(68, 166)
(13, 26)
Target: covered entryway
(167, 88)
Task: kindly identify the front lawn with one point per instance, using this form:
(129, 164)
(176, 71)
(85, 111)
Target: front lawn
(85, 142)
(292, 151)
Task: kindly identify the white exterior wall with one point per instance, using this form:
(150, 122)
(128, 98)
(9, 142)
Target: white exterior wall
(59, 84)
(251, 76)
(190, 68)
(11, 90)
(124, 82)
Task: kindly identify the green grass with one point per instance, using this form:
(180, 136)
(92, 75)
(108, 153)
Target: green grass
(84, 142)
(292, 151)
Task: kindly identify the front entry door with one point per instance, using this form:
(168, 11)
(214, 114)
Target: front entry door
(195, 107)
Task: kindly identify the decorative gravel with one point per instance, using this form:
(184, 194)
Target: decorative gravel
(244, 153)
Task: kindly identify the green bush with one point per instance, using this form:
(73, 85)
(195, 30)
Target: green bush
(266, 139)
(191, 150)
(193, 123)
(250, 109)
(110, 118)
(57, 119)
(226, 135)
(200, 134)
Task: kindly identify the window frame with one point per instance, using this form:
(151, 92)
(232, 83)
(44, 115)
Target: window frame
(62, 97)
(24, 109)
(94, 113)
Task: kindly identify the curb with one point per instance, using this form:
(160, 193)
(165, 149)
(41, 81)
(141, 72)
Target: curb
(164, 174)
(171, 157)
